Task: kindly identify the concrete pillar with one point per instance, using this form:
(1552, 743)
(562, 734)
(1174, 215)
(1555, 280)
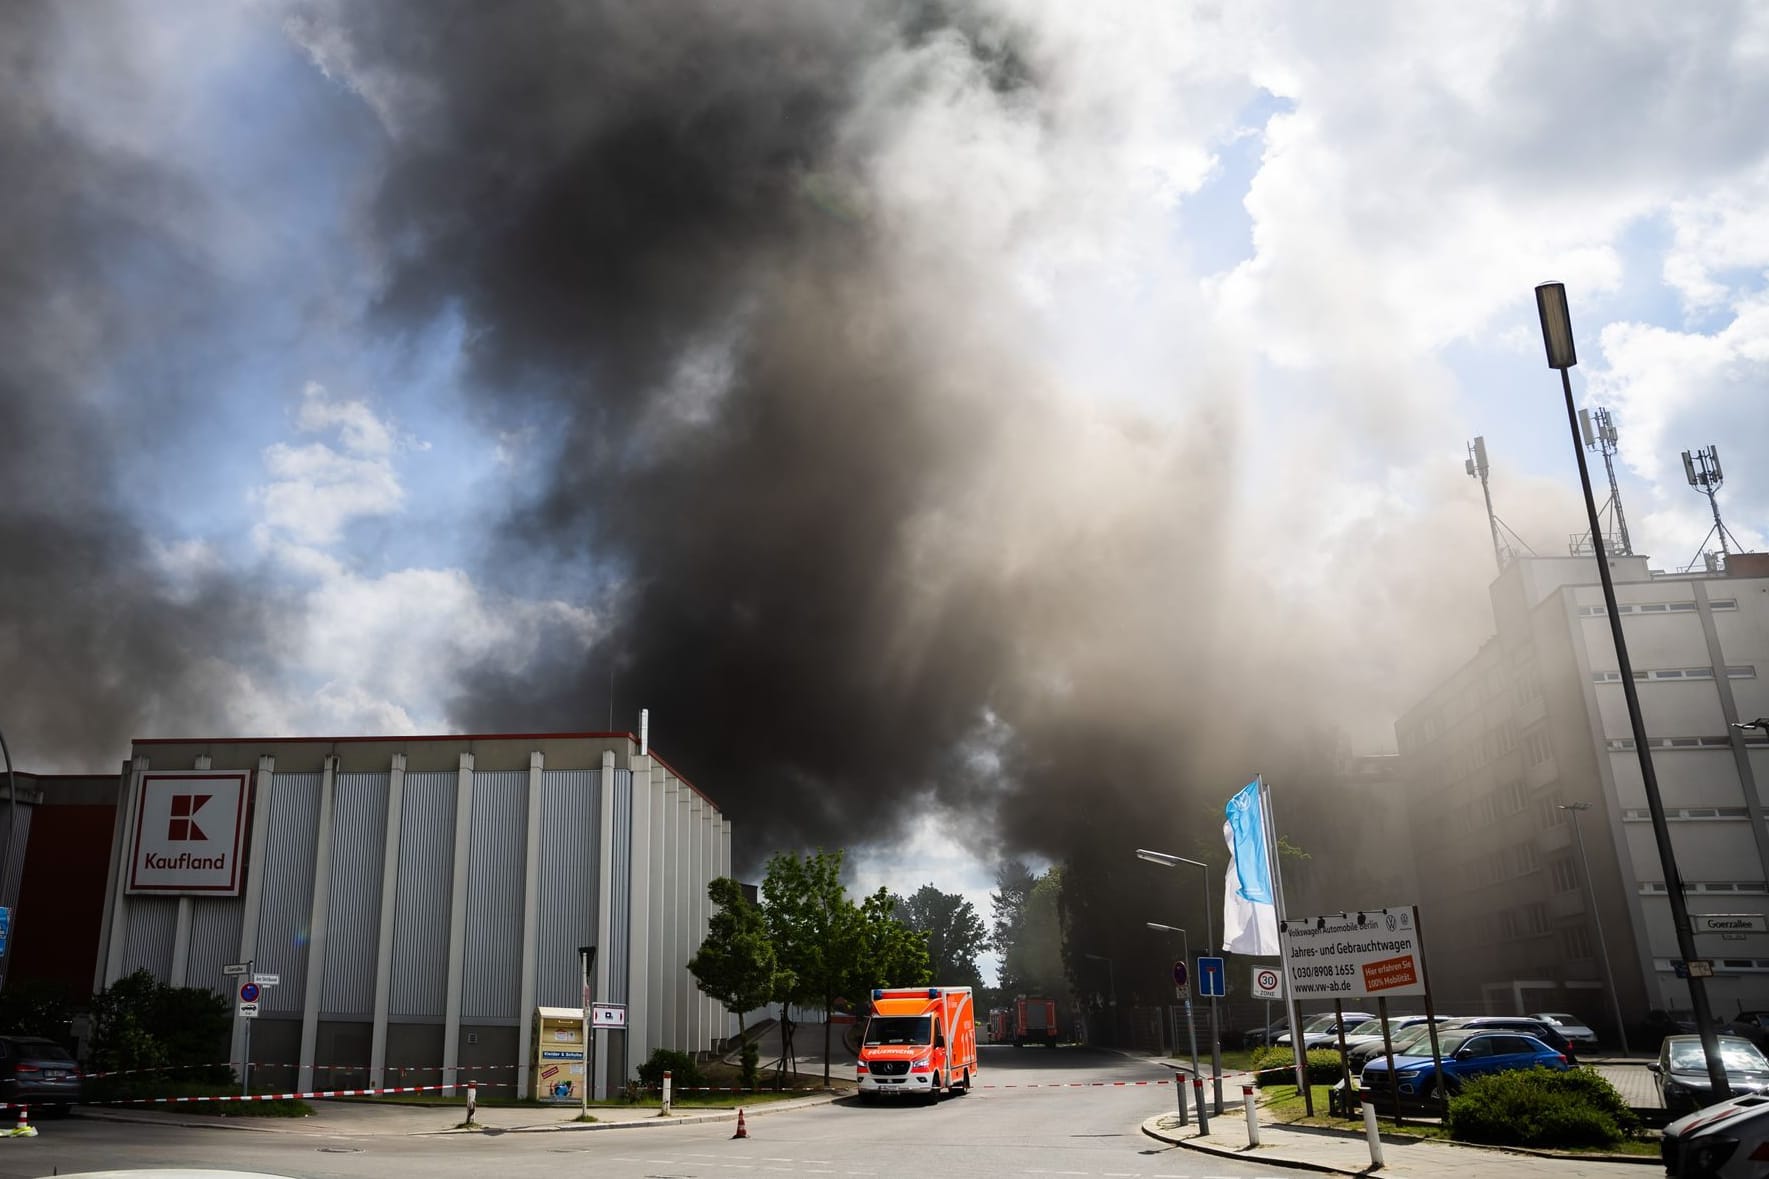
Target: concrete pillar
(655, 935)
(669, 966)
(684, 988)
(384, 934)
(640, 1040)
(118, 925)
(531, 907)
(457, 924)
(604, 914)
(263, 783)
(317, 919)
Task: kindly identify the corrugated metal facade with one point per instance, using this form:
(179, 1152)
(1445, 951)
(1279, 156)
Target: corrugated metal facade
(353, 913)
(288, 890)
(420, 915)
(153, 925)
(15, 859)
(491, 987)
(570, 851)
(380, 972)
(214, 941)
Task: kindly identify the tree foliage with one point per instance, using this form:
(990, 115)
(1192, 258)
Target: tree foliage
(140, 1023)
(890, 953)
(736, 963)
(1030, 931)
(954, 934)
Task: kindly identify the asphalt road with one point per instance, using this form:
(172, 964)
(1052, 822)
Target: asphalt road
(1025, 1118)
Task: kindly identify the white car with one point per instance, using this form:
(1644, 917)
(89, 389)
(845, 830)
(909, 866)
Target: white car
(1724, 1141)
(1322, 1031)
(1571, 1026)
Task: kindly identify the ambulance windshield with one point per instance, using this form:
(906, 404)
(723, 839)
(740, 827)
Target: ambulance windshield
(900, 1029)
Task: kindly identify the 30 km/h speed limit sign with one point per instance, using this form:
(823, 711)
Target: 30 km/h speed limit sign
(1267, 983)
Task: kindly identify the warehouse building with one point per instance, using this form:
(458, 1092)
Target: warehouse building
(418, 899)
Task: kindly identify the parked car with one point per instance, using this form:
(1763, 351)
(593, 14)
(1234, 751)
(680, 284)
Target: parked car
(1322, 1031)
(1260, 1037)
(1467, 1054)
(1724, 1141)
(1542, 1030)
(1682, 1070)
(1752, 1025)
(1572, 1027)
(38, 1072)
(1415, 1040)
(1370, 1031)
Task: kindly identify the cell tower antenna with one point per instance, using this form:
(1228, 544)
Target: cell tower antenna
(1600, 435)
(1503, 535)
(1702, 469)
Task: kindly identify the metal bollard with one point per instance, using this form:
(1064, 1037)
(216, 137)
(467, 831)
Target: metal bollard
(1252, 1115)
(1179, 1087)
(1374, 1136)
(472, 1100)
(1203, 1112)
(666, 1095)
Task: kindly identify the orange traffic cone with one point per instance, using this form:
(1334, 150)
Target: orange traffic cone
(24, 1129)
(742, 1130)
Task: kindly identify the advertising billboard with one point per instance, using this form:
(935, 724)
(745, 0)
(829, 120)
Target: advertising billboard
(1355, 955)
(189, 835)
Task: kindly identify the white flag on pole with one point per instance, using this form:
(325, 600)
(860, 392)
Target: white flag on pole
(1249, 909)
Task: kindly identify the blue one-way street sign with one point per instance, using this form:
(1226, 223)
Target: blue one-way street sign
(1212, 978)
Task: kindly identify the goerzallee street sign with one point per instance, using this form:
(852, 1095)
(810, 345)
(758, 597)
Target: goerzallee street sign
(1375, 952)
(189, 831)
(1729, 922)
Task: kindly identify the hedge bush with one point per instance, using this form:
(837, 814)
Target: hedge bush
(1323, 1066)
(684, 1073)
(1541, 1107)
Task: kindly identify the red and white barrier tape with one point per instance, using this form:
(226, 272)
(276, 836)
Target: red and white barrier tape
(257, 1064)
(314, 1093)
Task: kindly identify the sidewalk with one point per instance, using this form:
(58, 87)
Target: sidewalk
(363, 1119)
(1342, 1152)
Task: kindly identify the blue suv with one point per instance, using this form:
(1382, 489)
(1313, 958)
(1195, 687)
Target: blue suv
(1466, 1054)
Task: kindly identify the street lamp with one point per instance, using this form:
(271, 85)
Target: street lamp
(1761, 722)
(1185, 944)
(1615, 997)
(1169, 860)
(1557, 338)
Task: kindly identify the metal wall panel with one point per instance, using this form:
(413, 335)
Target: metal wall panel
(153, 924)
(353, 912)
(619, 949)
(491, 985)
(15, 859)
(287, 906)
(426, 879)
(214, 941)
(570, 835)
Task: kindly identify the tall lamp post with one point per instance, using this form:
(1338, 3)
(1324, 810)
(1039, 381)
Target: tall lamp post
(1169, 860)
(1185, 949)
(1557, 338)
(6, 852)
(1615, 997)
(1112, 986)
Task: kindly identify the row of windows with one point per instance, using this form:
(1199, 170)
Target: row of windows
(1640, 814)
(1623, 744)
(1537, 748)
(1725, 965)
(1657, 608)
(1564, 874)
(1503, 864)
(1576, 941)
(1675, 673)
(1750, 887)
(1507, 799)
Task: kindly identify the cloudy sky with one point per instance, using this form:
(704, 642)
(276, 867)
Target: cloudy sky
(941, 410)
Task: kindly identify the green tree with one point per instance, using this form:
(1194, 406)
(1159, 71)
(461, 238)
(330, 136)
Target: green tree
(140, 1023)
(889, 953)
(815, 931)
(954, 933)
(736, 963)
(1033, 963)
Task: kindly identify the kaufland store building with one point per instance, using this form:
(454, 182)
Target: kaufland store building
(417, 898)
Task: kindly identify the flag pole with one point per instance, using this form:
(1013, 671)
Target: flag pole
(1290, 1002)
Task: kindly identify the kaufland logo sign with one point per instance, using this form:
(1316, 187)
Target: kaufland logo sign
(189, 832)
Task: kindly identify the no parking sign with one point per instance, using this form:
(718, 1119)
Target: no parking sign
(1268, 983)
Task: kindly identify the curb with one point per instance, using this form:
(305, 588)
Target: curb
(1154, 1130)
(656, 1122)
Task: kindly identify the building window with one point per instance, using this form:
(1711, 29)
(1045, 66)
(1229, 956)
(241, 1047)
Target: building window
(1537, 917)
(1508, 924)
(1528, 858)
(1563, 874)
(1536, 747)
(1576, 941)
(1723, 604)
